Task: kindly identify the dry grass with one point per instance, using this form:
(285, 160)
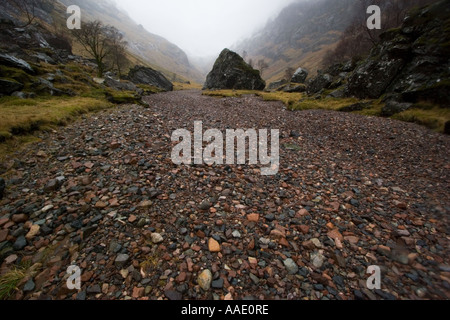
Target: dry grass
(23, 116)
(179, 86)
(434, 118)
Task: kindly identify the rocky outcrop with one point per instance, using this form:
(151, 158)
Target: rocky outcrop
(148, 76)
(277, 84)
(230, 71)
(411, 63)
(300, 76)
(11, 61)
(322, 81)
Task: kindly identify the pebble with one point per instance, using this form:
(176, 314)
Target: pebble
(205, 279)
(121, 260)
(291, 266)
(157, 238)
(29, 286)
(20, 243)
(213, 245)
(103, 198)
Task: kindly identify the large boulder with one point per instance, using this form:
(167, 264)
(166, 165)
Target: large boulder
(300, 76)
(148, 76)
(230, 71)
(322, 81)
(9, 86)
(277, 84)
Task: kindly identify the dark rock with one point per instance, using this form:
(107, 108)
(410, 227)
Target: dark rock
(2, 187)
(411, 61)
(394, 107)
(52, 185)
(20, 243)
(218, 284)
(298, 88)
(11, 61)
(277, 84)
(173, 295)
(120, 85)
(339, 93)
(300, 76)
(121, 260)
(447, 127)
(8, 86)
(94, 289)
(355, 107)
(148, 76)
(29, 286)
(322, 81)
(230, 71)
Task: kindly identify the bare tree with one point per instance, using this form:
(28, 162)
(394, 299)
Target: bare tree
(26, 9)
(94, 39)
(244, 55)
(289, 73)
(117, 49)
(250, 62)
(262, 65)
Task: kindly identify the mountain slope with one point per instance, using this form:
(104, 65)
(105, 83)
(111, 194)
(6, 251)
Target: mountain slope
(299, 36)
(151, 48)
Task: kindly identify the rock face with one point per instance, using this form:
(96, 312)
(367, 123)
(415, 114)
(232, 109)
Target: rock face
(300, 76)
(11, 61)
(276, 84)
(411, 63)
(148, 76)
(322, 81)
(230, 71)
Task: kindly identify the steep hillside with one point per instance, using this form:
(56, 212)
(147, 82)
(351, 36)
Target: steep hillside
(299, 36)
(153, 49)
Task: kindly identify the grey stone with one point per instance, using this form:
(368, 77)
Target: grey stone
(291, 266)
(300, 76)
(121, 260)
(29, 286)
(20, 243)
(218, 284)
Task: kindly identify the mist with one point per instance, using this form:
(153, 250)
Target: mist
(202, 28)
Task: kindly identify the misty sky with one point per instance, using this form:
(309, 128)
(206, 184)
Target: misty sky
(202, 27)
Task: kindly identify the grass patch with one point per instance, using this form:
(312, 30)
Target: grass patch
(179, 86)
(325, 104)
(24, 116)
(11, 279)
(289, 99)
(151, 263)
(433, 118)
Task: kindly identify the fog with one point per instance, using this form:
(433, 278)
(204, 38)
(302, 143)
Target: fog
(202, 27)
